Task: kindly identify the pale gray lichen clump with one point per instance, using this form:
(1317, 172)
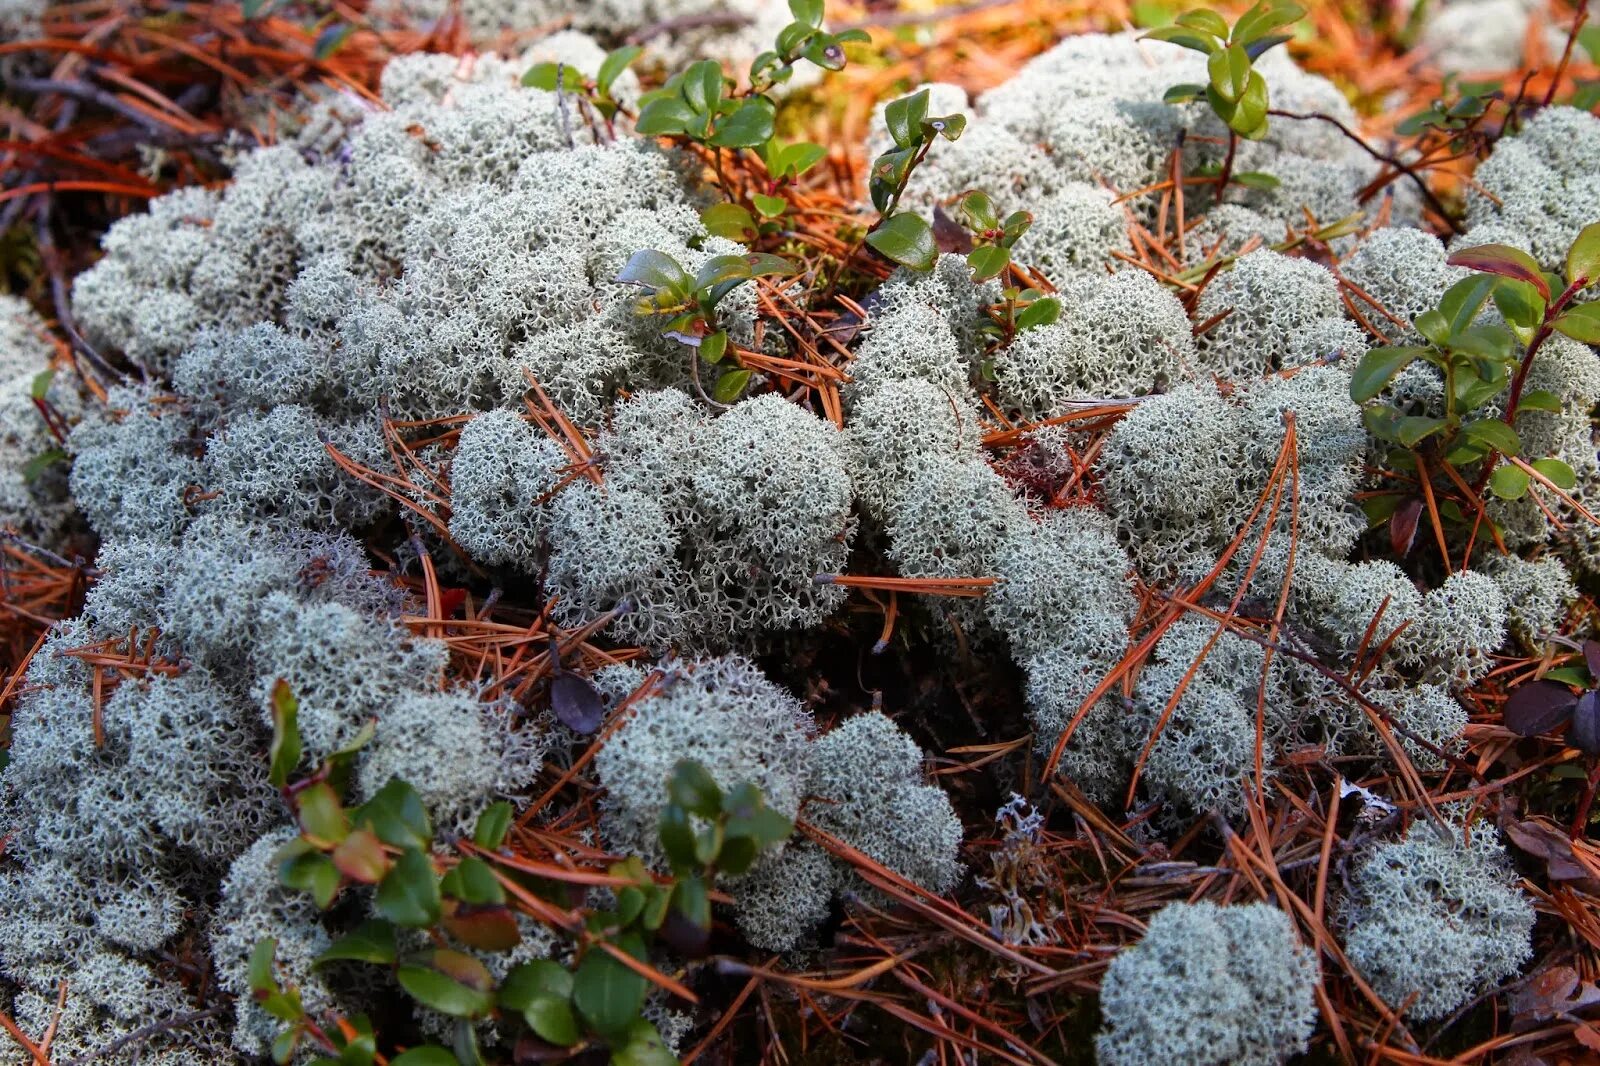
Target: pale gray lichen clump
(1209, 985)
(861, 782)
(34, 501)
(1432, 920)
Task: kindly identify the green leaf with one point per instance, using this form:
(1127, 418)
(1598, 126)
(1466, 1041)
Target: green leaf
(443, 984)
(988, 261)
(713, 346)
(1539, 400)
(763, 265)
(1015, 225)
(1377, 368)
(656, 272)
(616, 61)
(663, 117)
(1520, 303)
(888, 170)
(1040, 312)
(285, 1043)
(763, 825)
(261, 976)
(472, 881)
(530, 980)
(551, 1018)
(1433, 326)
(285, 751)
(950, 127)
(331, 39)
(1184, 37)
(41, 384)
(1183, 92)
(547, 76)
(409, 894)
(1503, 261)
(737, 856)
(1414, 429)
(977, 211)
(1206, 21)
(1583, 258)
(747, 127)
(493, 825)
(485, 926)
(395, 812)
(34, 468)
(1462, 302)
(1495, 433)
(906, 239)
(1581, 323)
(1256, 179)
(798, 158)
(372, 941)
(1263, 18)
(642, 1046)
(1229, 69)
(1492, 342)
(426, 1055)
(730, 221)
(693, 788)
(769, 206)
(904, 118)
(1508, 482)
(313, 872)
(607, 993)
(701, 85)
(693, 900)
(807, 12)
(1557, 473)
(1249, 116)
(321, 814)
(730, 384)
(721, 268)
(677, 836)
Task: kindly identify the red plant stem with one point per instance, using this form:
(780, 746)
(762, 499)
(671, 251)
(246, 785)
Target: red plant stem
(1581, 819)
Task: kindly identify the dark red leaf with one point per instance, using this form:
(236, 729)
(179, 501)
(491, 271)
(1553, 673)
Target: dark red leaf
(1585, 732)
(1591, 655)
(1403, 525)
(1505, 261)
(1555, 991)
(950, 235)
(1538, 707)
(685, 937)
(576, 702)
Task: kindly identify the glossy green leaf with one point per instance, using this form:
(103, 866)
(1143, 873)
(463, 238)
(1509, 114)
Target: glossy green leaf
(764, 265)
(713, 346)
(1014, 226)
(443, 991)
(530, 980)
(607, 993)
(1557, 473)
(285, 751)
(701, 85)
(285, 1044)
(1206, 21)
(693, 900)
(904, 118)
(977, 211)
(548, 76)
(731, 221)
(1463, 301)
(314, 873)
(1183, 92)
(1503, 261)
(738, 855)
(950, 127)
(693, 788)
(616, 61)
(552, 1019)
(906, 239)
(677, 836)
(1377, 368)
(493, 825)
(799, 158)
(1433, 326)
(769, 206)
(260, 972)
(1583, 258)
(1040, 312)
(1184, 37)
(747, 127)
(1509, 482)
(988, 261)
(1229, 70)
(409, 894)
(656, 272)
(642, 1046)
(1495, 433)
(472, 881)
(1256, 179)
(721, 268)
(1412, 430)
(664, 117)
(730, 385)
(1539, 400)
(395, 812)
(807, 12)
(371, 941)
(1263, 18)
(1581, 323)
